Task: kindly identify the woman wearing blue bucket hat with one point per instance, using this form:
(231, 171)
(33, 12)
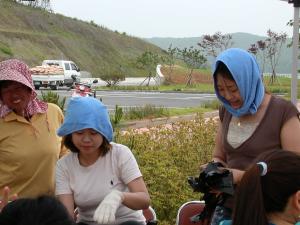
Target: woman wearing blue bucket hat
(101, 178)
(252, 121)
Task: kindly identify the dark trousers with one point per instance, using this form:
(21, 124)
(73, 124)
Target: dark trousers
(124, 223)
(131, 223)
(221, 213)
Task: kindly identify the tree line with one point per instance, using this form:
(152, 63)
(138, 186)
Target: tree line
(267, 50)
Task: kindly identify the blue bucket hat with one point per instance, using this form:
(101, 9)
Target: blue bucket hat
(246, 73)
(86, 112)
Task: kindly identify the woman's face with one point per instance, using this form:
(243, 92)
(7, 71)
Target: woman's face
(87, 141)
(228, 89)
(15, 96)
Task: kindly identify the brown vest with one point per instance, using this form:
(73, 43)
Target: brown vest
(265, 137)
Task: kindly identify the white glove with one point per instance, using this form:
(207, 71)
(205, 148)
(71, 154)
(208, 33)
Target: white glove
(106, 211)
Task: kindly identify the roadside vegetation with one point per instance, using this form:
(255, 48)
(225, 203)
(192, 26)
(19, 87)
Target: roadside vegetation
(53, 97)
(145, 112)
(151, 111)
(167, 156)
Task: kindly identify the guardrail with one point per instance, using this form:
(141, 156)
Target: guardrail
(288, 75)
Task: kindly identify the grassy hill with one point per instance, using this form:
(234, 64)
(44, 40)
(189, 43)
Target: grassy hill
(33, 35)
(240, 40)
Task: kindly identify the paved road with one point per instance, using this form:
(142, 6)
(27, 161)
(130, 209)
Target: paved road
(134, 99)
(167, 100)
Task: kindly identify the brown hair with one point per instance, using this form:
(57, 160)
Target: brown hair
(68, 142)
(7, 83)
(258, 195)
(223, 71)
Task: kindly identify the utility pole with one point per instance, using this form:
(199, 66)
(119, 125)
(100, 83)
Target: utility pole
(294, 81)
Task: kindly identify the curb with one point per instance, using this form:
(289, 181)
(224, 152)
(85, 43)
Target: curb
(163, 120)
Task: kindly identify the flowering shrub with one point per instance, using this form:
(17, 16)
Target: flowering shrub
(167, 156)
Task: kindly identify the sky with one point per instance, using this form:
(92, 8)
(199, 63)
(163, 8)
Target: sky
(182, 18)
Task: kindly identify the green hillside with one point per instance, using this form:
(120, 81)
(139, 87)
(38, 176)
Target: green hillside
(240, 40)
(33, 35)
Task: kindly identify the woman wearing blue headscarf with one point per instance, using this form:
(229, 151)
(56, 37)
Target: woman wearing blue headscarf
(252, 121)
(100, 177)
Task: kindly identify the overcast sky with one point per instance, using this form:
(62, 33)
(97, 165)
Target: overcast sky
(181, 18)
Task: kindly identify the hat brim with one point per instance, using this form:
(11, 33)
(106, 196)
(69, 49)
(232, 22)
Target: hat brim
(16, 76)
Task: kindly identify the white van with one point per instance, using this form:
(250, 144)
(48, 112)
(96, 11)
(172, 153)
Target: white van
(69, 67)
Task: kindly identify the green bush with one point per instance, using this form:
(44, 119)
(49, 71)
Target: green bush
(116, 117)
(53, 97)
(167, 157)
(5, 49)
(112, 75)
(214, 104)
(147, 111)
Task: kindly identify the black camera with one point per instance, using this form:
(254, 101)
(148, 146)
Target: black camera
(213, 177)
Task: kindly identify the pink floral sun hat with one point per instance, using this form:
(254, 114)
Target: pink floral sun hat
(16, 70)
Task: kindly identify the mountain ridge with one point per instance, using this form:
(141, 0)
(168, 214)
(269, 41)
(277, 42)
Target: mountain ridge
(240, 40)
(33, 34)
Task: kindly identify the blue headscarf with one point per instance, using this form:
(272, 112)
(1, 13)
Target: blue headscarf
(245, 71)
(86, 112)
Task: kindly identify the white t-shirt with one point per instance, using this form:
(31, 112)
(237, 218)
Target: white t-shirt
(89, 185)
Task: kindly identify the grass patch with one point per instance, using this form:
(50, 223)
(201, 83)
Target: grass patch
(145, 112)
(282, 85)
(130, 88)
(199, 88)
(151, 111)
(215, 104)
(5, 49)
(205, 107)
(186, 111)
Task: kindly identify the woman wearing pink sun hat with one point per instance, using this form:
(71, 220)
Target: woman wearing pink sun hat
(29, 146)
